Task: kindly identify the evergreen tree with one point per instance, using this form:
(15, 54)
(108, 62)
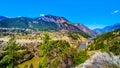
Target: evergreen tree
(11, 57)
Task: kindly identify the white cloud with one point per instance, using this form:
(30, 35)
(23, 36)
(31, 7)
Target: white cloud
(116, 11)
(42, 14)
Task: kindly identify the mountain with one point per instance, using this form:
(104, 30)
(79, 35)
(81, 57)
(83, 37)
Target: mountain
(47, 22)
(85, 29)
(20, 22)
(50, 22)
(107, 28)
(3, 18)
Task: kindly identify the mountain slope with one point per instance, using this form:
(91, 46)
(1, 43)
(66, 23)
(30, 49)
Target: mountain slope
(109, 42)
(85, 29)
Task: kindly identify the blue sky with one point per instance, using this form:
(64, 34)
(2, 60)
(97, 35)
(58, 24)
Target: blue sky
(92, 13)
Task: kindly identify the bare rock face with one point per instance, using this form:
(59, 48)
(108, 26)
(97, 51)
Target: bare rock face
(85, 29)
(102, 60)
(56, 19)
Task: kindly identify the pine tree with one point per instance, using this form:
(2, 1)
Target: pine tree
(11, 49)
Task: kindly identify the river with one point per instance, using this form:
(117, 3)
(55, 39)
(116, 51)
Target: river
(82, 46)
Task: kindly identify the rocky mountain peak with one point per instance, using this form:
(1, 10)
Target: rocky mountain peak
(55, 19)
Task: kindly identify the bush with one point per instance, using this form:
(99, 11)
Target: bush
(80, 57)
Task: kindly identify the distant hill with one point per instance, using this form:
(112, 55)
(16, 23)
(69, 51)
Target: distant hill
(43, 23)
(3, 18)
(21, 22)
(107, 28)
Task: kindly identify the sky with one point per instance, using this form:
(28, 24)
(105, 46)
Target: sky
(92, 13)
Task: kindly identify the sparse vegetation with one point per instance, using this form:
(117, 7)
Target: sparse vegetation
(49, 53)
(109, 42)
(53, 53)
(59, 53)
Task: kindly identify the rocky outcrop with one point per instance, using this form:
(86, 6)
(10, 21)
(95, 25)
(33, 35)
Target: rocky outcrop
(102, 60)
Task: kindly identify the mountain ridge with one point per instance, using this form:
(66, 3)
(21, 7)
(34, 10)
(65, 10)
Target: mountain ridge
(3, 18)
(47, 22)
(107, 28)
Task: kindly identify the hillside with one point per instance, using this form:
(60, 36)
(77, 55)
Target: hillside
(103, 51)
(86, 29)
(44, 49)
(109, 42)
(21, 22)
